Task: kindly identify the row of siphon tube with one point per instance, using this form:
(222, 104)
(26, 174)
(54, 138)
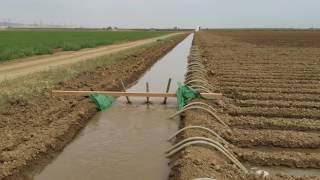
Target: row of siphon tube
(196, 78)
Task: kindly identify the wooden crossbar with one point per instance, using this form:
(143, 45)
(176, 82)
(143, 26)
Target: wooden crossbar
(136, 94)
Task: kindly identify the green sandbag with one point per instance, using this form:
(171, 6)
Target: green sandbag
(185, 94)
(102, 102)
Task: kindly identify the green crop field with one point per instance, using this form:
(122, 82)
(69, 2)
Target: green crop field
(18, 44)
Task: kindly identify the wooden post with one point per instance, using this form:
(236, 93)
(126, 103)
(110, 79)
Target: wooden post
(147, 89)
(133, 94)
(124, 90)
(167, 90)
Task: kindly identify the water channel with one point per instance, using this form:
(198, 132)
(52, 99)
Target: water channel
(127, 141)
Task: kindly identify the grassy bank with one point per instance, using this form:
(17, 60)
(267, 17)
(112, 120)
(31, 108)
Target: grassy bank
(18, 44)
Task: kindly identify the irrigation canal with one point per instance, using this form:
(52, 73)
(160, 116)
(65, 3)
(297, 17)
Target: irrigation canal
(127, 141)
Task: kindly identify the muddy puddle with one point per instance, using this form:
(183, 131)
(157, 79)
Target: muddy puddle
(127, 141)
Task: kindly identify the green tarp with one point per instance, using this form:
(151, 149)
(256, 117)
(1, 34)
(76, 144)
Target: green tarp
(102, 102)
(185, 94)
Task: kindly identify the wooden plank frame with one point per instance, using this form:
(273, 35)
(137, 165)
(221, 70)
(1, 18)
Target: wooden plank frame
(130, 94)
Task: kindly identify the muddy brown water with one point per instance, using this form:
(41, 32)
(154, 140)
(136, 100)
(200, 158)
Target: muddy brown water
(127, 141)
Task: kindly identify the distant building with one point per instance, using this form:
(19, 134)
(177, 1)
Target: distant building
(110, 28)
(198, 28)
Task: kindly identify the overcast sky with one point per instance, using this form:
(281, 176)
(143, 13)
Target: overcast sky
(166, 13)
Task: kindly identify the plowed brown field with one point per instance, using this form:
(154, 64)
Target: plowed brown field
(270, 82)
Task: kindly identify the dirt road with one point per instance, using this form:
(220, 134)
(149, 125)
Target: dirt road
(21, 67)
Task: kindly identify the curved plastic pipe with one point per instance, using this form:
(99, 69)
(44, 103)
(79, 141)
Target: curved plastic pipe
(201, 90)
(196, 64)
(194, 60)
(199, 87)
(199, 107)
(194, 57)
(198, 81)
(207, 141)
(198, 127)
(208, 86)
(190, 78)
(200, 103)
(195, 71)
(193, 76)
(230, 156)
(198, 138)
(194, 53)
(204, 143)
(196, 68)
(198, 71)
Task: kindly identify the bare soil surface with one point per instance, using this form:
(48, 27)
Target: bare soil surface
(270, 81)
(21, 67)
(31, 130)
(300, 39)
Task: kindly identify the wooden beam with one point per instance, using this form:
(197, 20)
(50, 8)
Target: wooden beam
(136, 94)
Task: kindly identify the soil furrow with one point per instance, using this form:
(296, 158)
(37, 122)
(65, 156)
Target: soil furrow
(270, 85)
(262, 72)
(274, 96)
(271, 90)
(274, 138)
(269, 77)
(280, 158)
(251, 122)
(285, 81)
(275, 112)
(276, 103)
(315, 83)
